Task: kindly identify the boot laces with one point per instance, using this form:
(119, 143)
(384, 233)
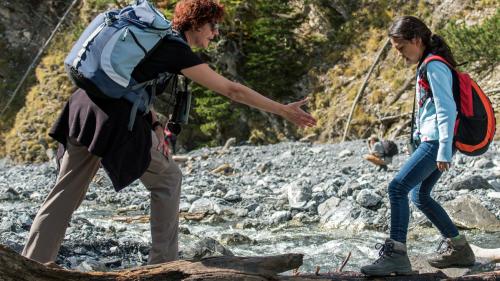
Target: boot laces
(444, 247)
(384, 250)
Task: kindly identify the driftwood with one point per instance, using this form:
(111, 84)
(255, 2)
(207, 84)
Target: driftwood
(14, 267)
(363, 86)
(393, 117)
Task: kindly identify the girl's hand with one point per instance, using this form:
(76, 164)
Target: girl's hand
(443, 166)
(293, 113)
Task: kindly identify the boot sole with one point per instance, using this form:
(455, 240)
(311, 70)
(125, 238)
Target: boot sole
(453, 265)
(379, 274)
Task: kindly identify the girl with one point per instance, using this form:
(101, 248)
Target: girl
(435, 122)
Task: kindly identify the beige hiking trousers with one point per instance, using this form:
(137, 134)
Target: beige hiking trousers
(78, 166)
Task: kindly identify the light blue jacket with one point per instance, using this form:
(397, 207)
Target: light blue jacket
(436, 117)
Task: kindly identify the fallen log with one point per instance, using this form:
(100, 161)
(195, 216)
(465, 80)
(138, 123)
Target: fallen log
(16, 267)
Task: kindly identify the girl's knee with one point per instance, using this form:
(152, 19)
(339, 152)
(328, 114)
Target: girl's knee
(420, 199)
(396, 188)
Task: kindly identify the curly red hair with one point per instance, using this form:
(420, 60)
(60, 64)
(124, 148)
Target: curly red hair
(195, 13)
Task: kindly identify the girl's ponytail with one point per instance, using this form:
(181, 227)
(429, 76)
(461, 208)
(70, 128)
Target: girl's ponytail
(439, 47)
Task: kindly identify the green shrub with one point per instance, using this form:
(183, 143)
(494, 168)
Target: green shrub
(478, 43)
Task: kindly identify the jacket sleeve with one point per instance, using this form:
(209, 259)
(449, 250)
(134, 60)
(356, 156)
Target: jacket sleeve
(441, 84)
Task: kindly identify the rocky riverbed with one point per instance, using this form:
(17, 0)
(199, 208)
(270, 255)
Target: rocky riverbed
(322, 200)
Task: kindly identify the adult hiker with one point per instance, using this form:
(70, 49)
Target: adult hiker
(435, 122)
(381, 152)
(96, 131)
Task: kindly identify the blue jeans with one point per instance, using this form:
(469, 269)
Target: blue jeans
(418, 175)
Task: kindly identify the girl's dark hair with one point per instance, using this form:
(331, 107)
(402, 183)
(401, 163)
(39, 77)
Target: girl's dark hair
(408, 27)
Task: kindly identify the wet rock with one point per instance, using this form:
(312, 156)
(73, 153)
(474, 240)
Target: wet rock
(343, 215)
(235, 239)
(90, 265)
(368, 198)
(474, 182)
(327, 207)
(207, 247)
(467, 212)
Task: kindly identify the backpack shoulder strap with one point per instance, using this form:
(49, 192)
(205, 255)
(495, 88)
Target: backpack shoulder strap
(438, 58)
(454, 73)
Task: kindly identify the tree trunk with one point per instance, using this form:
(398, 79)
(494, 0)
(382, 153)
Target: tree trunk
(14, 267)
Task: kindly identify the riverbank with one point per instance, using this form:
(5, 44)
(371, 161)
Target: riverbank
(322, 200)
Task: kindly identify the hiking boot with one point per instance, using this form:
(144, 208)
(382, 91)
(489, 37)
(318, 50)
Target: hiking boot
(383, 168)
(392, 259)
(453, 252)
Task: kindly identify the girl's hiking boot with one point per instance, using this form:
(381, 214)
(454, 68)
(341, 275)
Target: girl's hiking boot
(393, 259)
(453, 252)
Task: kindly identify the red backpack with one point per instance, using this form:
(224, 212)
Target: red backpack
(475, 125)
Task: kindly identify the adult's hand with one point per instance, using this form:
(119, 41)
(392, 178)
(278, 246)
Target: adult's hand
(443, 166)
(293, 113)
(162, 144)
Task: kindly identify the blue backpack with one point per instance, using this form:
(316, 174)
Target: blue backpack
(111, 46)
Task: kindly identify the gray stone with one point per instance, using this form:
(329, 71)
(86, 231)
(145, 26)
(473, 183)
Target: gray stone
(342, 216)
(202, 205)
(484, 163)
(474, 182)
(232, 196)
(299, 192)
(9, 195)
(184, 206)
(264, 167)
(345, 153)
(368, 198)
(235, 239)
(280, 216)
(468, 212)
(494, 195)
(207, 247)
(325, 207)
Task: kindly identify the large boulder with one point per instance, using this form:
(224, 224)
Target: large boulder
(467, 212)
